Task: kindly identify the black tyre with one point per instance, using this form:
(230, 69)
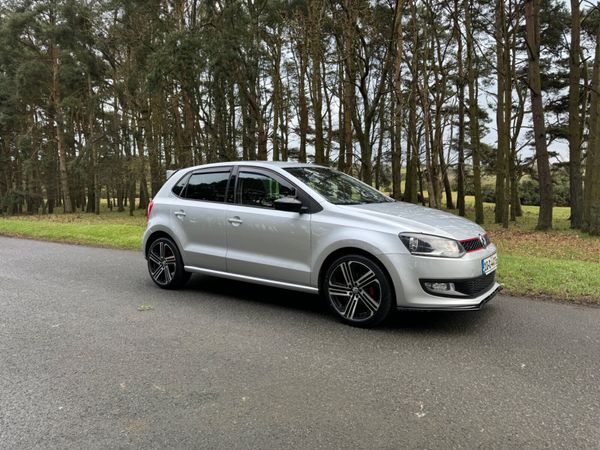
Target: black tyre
(358, 291)
(165, 264)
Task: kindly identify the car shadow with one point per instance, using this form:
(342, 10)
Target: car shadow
(266, 295)
(459, 322)
(417, 322)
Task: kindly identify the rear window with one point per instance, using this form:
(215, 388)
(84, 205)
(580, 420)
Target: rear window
(207, 186)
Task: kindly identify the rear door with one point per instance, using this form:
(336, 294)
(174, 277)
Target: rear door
(264, 242)
(199, 217)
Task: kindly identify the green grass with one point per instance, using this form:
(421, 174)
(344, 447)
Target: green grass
(560, 263)
(109, 229)
(573, 280)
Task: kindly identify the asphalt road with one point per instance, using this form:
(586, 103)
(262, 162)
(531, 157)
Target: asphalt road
(230, 365)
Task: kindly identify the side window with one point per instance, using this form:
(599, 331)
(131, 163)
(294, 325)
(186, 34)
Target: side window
(208, 186)
(255, 189)
(180, 186)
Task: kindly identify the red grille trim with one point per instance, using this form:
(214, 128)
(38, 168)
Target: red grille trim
(475, 244)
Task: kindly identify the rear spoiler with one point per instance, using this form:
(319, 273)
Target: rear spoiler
(171, 172)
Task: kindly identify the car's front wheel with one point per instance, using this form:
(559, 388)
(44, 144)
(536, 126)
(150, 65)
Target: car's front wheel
(358, 291)
(165, 264)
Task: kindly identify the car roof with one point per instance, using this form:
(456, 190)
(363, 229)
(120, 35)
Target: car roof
(281, 164)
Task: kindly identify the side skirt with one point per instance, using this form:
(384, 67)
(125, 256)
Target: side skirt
(263, 281)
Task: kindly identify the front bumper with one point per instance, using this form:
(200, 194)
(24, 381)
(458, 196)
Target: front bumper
(408, 272)
(488, 296)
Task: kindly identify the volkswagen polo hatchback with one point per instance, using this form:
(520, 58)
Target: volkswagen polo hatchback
(313, 229)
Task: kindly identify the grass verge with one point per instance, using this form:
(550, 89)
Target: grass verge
(561, 264)
(570, 280)
(111, 230)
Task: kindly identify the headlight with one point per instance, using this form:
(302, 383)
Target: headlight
(428, 245)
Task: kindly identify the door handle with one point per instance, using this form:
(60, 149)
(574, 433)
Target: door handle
(180, 214)
(235, 221)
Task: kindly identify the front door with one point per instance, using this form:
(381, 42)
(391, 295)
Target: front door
(264, 242)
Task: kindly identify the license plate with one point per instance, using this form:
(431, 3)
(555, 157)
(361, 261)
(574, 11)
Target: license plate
(489, 264)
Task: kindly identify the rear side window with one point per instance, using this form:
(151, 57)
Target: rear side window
(207, 186)
(180, 186)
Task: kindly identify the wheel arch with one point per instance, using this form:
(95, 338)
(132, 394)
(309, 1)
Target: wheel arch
(156, 235)
(344, 251)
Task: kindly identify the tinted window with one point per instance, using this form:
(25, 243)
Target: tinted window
(261, 190)
(178, 188)
(207, 186)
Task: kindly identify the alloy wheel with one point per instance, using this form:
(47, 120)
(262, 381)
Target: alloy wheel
(162, 262)
(354, 290)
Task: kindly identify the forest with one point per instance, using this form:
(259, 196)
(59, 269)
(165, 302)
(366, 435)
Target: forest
(433, 102)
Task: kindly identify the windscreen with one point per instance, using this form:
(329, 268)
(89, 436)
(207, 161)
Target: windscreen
(337, 187)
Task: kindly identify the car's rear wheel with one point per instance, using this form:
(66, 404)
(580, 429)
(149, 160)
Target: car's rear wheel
(358, 291)
(165, 264)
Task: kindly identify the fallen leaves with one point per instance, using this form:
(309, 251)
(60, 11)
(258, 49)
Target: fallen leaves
(145, 308)
(558, 245)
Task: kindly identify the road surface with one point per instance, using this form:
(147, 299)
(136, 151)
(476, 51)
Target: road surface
(224, 364)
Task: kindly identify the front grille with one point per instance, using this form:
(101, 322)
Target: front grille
(475, 286)
(473, 244)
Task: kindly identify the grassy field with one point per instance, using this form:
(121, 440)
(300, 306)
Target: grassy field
(561, 264)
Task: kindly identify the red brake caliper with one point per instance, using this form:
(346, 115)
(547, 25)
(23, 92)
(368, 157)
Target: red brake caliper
(372, 292)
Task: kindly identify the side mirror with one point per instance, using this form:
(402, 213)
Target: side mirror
(290, 204)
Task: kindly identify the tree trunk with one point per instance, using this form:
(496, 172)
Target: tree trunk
(262, 141)
(515, 174)
(473, 115)
(349, 99)
(151, 144)
(575, 187)
(315, 14)
(503, 84)
(187, 154)
(431, 156)
(302, 103)
(532, 25)
(93, 150)
(460, 144)
(591, 199)
(50, 169)
(178, 132)
(413, 173)
(439, 94)
(277, 103)
(348, 113)
(398, 104)
(60, 137)
(379, 156)
(328, 97)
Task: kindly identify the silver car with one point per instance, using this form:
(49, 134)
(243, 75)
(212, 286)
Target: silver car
(313, 229)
